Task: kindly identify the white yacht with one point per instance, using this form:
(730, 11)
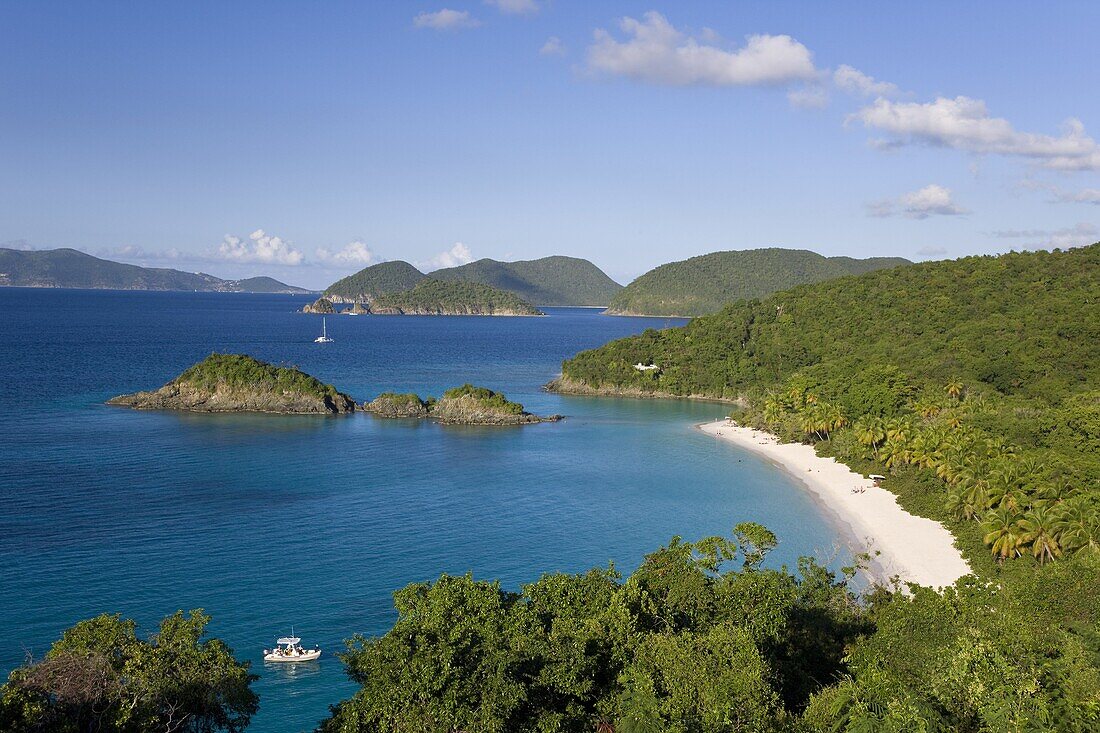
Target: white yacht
(323, 338)
(289, 649)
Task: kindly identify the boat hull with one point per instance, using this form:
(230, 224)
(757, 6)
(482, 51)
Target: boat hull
(307, 656)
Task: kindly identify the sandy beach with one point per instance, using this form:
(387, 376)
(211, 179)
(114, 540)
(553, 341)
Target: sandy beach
(915, 549)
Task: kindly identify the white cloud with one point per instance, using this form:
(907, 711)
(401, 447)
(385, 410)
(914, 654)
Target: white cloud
(445, 20)
(137, 252)
(354, 253)
(260, 247)
(964, 124)
(932, 200)
(552, 47)
(654, 51)
(515, 7)
(855, 81)
(930, 251)
(457, 255)
(1075, 236)
(811, 97)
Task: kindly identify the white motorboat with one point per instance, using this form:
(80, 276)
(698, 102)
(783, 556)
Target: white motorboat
(323, 338)
(289, 649)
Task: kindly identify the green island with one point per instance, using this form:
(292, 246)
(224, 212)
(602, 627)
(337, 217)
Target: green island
(240, 383)
(704, 284)
(551, 281)
(374, 281)
(465, 405)
(432, 297)
(555, 280)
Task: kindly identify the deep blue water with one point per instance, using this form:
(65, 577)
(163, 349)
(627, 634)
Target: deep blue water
(271, 521)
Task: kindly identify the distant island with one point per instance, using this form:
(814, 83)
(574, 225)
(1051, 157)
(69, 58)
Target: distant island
(431, 297)
(551, 281)
(465, 405)
(70, 268)
(239, 383)
(704, 284)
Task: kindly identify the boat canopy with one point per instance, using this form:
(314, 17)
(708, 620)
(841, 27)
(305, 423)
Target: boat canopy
(289, 640)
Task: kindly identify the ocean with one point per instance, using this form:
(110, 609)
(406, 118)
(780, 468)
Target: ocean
(273, 523)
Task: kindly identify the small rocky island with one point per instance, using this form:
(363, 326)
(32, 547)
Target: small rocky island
(321, 305)
(239, 383)
(465, 405)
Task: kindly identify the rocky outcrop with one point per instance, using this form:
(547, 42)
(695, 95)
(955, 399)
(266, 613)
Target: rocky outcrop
(389, 404)
(465, 405)
(321, 305)
(238, 383)
(356, 309)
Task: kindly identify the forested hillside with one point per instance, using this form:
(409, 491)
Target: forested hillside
(983, 373)
(704, 284)
(435, 297)
(69, 268)
(371, 282)
(554, 280)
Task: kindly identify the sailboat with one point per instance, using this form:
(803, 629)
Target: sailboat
(323, 338)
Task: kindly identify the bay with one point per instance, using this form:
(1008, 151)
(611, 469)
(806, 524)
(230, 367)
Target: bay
(272, 522)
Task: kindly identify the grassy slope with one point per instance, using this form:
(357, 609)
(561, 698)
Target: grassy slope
(704, 284)
(554, 280)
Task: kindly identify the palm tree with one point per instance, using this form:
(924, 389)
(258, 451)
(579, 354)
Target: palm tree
(870, 431)
(774, 408)
(1080, 526)
(1040, 528)
(954, 388)
(1003, 533)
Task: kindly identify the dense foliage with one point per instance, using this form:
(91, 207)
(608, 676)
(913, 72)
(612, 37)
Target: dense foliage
(376, 280)
(69, 268)
(703, 638)
(554, 280)
(100, 677)
(981, 373)
(431, 296)
(485, 398)
(240, 371)
(704, 284)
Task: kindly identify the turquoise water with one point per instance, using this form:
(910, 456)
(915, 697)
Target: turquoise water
(269, 522)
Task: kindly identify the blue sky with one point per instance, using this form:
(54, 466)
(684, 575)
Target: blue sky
(306, 140)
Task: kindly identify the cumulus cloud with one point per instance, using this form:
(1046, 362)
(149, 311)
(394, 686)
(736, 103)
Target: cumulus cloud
(654, 51)
(1067, 238)
(259, 247)
(964, 124)
(457, 255)
(552, 47)
(1084, 196)
(515, 7)
(854, 81)
(354, 253)
(932, 200)
(445, 20)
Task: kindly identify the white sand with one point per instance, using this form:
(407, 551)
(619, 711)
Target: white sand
(915, 549)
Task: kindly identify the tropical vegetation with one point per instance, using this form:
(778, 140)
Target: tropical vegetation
(101, 677)
(371, 282)
(240, 371)
(704, 284)
(436, 297)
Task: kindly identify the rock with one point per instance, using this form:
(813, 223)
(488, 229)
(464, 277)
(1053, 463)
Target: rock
(320, 306)
(357, 309)
(389, 404)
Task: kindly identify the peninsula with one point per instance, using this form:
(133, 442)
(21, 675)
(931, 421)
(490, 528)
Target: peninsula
(432, 297)
(465, 405)
(239, 383)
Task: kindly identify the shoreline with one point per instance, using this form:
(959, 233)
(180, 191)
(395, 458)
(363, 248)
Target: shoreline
(916, 549)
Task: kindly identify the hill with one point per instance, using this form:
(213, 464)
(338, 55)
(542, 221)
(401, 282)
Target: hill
(431, 297)
(981, 375)
(556, 280)
(704, 284)
(371, 282)
(70, 268)
(240, 383)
